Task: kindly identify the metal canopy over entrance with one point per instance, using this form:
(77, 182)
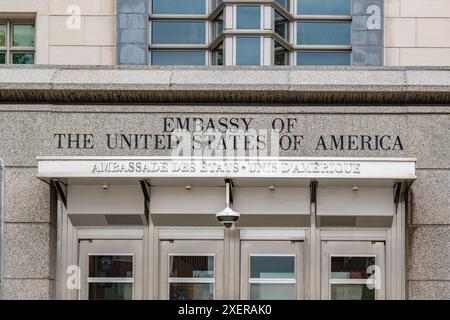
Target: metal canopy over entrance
(269, 192)
(304, 206)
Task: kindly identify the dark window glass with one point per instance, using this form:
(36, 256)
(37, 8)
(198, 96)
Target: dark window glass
(322, 58)
(179, 6)
(111, 266)
(178, 32)
(23, 58)
(110, 291)
(284, 3)
(191, 266)
(281, 26)
(272, 267)
(248, 17)
(191, 291)
(281, 55)
(2, 35)
(23, 35)
(323, 7)
(323, 33)
(217, 55)
(167, 58)
(248, 51)
(2, 57)
(218, 25)
(351, 267)
(216, 3)
(351, 292)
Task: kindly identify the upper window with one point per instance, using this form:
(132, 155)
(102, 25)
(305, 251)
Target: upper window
(248, 17)
(16, 43)
(323, 33)
(281, 26)
(178, 32)
(216, 3)
(217, 55)
(284, 3)
(217, 26)
(324, 58)
(179, 6)
(196, 32)
(248, 51)
(281, 55)
(323, 7)
(177, 57)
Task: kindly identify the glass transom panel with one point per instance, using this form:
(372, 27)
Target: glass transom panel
(351, 267)
(272, 267)
(191, 266)
(248, 17)
(179, 6)
(323, 7)
(103, 266)
(178, 32)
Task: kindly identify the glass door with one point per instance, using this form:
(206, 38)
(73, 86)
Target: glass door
(271, 270)
(111, 269)
(191, 270)
(353, 270)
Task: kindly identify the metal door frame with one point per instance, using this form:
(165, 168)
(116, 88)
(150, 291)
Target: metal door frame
(351, 249)
(111, 247)
(250, 248)
(191, 248)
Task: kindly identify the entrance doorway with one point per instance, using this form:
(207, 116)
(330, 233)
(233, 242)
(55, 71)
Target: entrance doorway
(353, 270)
(191, 269)
(111, 269)
(272, 270)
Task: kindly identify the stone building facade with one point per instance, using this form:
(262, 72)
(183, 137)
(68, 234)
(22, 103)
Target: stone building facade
(89, 99)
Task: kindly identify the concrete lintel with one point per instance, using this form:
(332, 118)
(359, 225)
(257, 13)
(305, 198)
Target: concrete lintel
(264, 85)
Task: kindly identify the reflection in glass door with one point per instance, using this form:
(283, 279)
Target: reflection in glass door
(191, 270)
(352, 270)
(271, 270)
(111, 269)
(110, 277)
(191, 277)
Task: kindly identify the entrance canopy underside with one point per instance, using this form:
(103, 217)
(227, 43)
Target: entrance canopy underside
(271, 192)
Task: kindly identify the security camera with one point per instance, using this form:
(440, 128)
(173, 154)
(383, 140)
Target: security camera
(227, 217)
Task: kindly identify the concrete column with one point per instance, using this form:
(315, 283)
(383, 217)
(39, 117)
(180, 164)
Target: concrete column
(367, 32)
(132, 32)
(29, 238)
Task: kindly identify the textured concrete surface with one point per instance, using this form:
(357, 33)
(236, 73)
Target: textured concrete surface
(331, 124)
(429, 253)
(28, 248)
(28, 130)
(266, 85)
(430, 134)
(29, 289)
(430, 198)
(26, 197)
(429, 290)
(22, 136)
